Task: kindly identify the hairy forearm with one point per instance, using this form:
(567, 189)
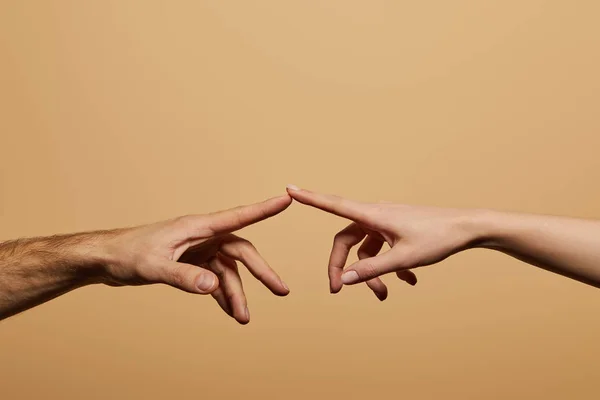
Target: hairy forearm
(567, 246)
(36, 270)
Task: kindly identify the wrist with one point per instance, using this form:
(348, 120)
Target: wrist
(485, 228)
(96, 253)
(90, 257)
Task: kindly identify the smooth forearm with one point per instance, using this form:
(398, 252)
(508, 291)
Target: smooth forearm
(36, 270)
(567, 246)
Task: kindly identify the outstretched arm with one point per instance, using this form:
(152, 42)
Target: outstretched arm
(196, 253)
(420, 236)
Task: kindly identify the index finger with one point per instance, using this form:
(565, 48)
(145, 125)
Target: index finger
(237, 218)
(336, 205)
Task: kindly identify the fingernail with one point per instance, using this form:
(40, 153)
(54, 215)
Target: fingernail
(285, 286)
(349, 277)
(206, 282)
(247, 314)
(293, 187)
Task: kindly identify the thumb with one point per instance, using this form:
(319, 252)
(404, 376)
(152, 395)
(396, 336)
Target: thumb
(372, 267)
(187, 277)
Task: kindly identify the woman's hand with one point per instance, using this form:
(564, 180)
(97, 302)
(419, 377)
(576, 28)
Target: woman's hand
(417, 236)
(420, 236)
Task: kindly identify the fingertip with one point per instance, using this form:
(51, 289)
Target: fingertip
(382, 296)
(241, 314)
(350, 278)
(379, 288)
(207, 282)
(281, 292)
(296, 193)
(382, 293)
(282, 201)
(286, 289)
(408, 277)
(286, 198)
(279, 289)
(293, 196)
(413, 278)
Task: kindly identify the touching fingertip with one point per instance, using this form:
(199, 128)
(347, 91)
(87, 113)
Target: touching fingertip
(293, 187)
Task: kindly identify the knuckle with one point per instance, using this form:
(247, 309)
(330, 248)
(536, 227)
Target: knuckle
(261, 275)
(368, 270)
(362, 253)
(218, 269)
(234, 267)
(189, 223)
(231, 297)
(338, 237)
(177, 276)
(343, 238)
(183, 220)
(244, 247)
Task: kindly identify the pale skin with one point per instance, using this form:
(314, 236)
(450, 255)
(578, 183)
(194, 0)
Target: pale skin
(196, 253)
(419, 236)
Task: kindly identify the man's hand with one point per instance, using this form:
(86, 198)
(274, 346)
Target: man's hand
(196, 253)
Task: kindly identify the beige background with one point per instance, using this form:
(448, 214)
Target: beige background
(120, 112)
